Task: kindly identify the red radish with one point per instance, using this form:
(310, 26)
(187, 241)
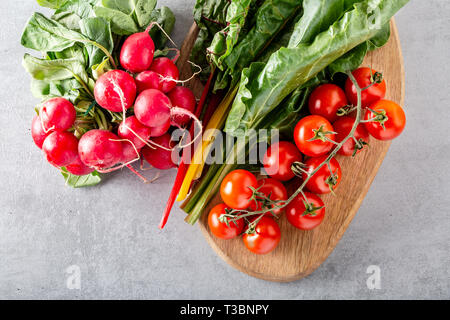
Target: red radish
(168, 71)
(129, 152)
(78, 168)
(113, 87)
(152, 108)
(134, 131)
(100, 149)
(130, 155)
(159, 131)
(57, 114)
(37, 132)
(137, 52)
(158, 157)
(182, 97)
(148, 80)
(61, 148)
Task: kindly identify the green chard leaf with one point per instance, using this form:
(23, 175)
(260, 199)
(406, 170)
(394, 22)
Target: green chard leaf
(271, 17)
(317, 17)
(210, 16)
(81, 181)
(225, 40)
(355, 57)
(293, 107)
(281, 40)
(349, 61)
(284, 119)
(381, 38)
(264, 86)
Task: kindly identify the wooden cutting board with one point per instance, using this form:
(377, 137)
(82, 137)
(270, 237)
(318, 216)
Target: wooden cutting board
(301, 252)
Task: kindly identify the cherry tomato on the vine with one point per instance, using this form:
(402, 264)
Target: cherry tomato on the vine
(364, 77)
(264, 238)
(343, 127)
(326, 100)
(221, 229)
(317, 128)
(271, 189)
(323, 182)
(306, 214)
(279, 158)
(236, 189)
(390, 120)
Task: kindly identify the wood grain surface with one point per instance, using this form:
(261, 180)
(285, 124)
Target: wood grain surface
(301, 252)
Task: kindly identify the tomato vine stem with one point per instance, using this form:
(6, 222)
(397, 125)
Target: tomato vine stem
(240, 214)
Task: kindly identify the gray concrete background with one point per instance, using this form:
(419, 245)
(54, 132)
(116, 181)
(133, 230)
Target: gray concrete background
(111, 231)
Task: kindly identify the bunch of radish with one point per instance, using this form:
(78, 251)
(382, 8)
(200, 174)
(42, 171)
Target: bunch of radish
(145, 91)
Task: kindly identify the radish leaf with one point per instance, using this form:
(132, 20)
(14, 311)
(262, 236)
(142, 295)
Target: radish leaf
(74, 181)
(121, 23)
(98, 30)
(53, 4)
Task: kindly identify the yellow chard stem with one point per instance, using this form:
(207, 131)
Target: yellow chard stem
(198, 162)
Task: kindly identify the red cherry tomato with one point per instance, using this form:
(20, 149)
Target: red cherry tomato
(322, 182)
(279, 158)
(326, 100)
(221, 229)
(273, 190)
(306, 217)
(390, 123)
(265, 237)
(364, 77)
(343, 127)
(236, 189)
(309, 128)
